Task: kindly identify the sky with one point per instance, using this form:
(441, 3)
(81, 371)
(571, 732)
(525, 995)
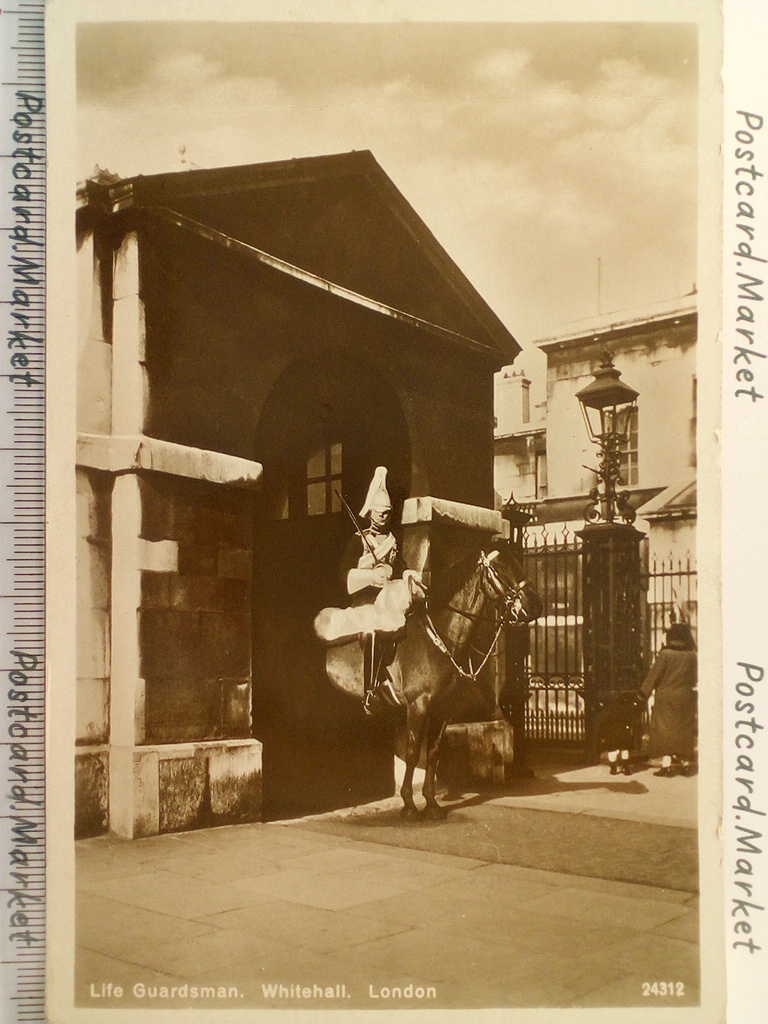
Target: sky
(531, 151)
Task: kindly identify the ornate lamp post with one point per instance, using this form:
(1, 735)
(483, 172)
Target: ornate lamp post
(611, 558)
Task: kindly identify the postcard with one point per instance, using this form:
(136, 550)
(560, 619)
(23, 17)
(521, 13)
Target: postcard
(384, 498)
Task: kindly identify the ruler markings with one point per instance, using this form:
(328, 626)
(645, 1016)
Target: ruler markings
(23, 396)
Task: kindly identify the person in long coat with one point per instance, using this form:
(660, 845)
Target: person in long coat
(673, 678)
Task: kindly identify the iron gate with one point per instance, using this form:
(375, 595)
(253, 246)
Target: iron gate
(555, 711)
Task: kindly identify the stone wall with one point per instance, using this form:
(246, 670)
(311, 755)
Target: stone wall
(195, 619)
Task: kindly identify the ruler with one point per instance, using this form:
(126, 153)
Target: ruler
(22, 509)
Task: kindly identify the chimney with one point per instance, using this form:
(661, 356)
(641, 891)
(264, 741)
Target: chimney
(513, 401)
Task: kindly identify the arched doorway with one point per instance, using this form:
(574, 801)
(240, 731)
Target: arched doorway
(328, 422)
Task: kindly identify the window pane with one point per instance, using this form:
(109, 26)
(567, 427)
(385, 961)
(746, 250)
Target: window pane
(316, 499)
(316, 465)
(336, 459)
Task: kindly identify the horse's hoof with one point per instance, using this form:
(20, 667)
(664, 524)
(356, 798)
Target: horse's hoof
(434, 812)
(409, 813)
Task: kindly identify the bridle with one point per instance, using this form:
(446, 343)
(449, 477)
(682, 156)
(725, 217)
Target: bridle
(513, 605)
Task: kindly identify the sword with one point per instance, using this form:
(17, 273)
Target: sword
(356, 525)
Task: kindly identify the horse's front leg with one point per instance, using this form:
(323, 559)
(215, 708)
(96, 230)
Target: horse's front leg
(435, 732)
(414, 733)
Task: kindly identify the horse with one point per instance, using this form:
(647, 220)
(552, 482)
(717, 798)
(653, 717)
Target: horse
(426, 667)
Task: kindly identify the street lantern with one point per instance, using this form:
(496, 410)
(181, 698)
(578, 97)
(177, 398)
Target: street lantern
(611, 582)
(607, 404)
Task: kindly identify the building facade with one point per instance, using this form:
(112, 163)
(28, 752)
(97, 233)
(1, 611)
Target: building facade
(251, 341)
(544, 456)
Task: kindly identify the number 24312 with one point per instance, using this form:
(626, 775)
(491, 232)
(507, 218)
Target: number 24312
(663, 988)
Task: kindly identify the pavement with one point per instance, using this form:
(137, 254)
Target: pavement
(279, 915)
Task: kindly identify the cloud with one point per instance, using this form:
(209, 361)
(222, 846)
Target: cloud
(526, 163)
(501, 67)
(182, 71)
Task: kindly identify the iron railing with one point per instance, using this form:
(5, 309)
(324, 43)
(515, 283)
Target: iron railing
(555, 711)
(672, 596)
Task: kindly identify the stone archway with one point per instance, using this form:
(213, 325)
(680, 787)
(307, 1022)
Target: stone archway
(328, 422)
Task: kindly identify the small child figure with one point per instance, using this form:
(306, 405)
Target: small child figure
(619, 728)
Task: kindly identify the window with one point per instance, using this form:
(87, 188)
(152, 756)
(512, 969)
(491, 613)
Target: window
(629, 453)
(324, 480)
(526, 395)
(541, 473)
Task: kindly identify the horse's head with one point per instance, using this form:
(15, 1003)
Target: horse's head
(503, 582)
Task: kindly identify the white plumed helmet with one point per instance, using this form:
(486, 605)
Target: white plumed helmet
(378, 496)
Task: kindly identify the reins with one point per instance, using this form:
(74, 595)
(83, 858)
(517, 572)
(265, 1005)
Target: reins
(441, 645)
(434, 634)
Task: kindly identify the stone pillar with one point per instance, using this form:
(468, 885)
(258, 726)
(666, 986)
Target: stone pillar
(129, 378)
(133, 775)
(436, 534)
(133, 785)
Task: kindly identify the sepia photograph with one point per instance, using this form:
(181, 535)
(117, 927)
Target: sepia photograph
(393, 682)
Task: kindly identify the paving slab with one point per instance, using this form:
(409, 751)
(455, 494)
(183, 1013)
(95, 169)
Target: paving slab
(178, 896)
(306, 927)
(116, 929)
(605, 908)
(260, 908)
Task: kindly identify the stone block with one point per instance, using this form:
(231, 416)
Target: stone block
(195, 463)
(439, 510)
(156, 590)
(157, 509)
(236, 707)
(146, 794)
(475, 754)
(235, 781)
(198, 559)
(170, 644)
(158, 555)
(91, 793)
(183, 709)
(126, 268)
(235, 563)
(92, 504)
(94, 386)
(205, 524)
(225, 644)
(235, 595)
(92, 710)
(196, 593)
(92, 641)
(182, 792)
(235, 528)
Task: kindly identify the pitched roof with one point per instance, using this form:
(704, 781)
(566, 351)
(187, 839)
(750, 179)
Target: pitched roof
(334, 221)
(677, 501)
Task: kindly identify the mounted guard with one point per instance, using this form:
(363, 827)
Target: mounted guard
(381, 595)
(396, 639)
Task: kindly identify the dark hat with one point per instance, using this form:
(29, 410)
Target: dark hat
(680, 637)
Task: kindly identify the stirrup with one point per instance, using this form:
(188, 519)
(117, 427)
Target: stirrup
(389, 693)
(367, 700)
